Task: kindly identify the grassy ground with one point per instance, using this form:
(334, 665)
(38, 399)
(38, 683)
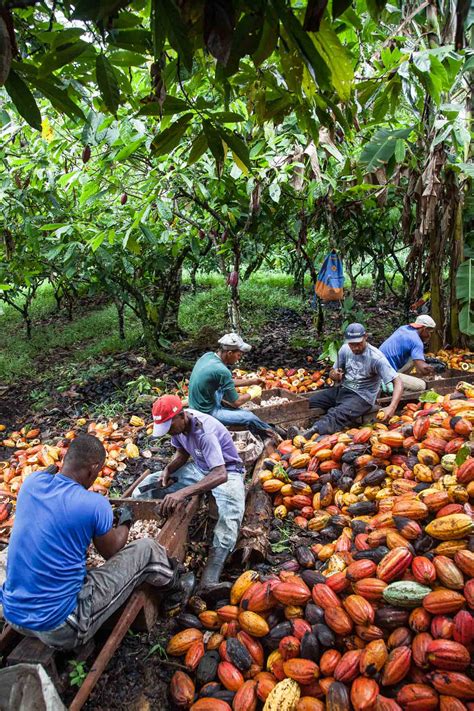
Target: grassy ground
(59, 347)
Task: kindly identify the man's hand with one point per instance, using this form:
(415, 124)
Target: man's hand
(336, 374)
(125, 516)
(388, 412)
(165, 479)
(172, 502)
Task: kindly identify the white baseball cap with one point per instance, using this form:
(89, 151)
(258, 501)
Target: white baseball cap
(233, 342)
(423, 321)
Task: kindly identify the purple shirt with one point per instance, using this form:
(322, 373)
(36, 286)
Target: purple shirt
(209, 443)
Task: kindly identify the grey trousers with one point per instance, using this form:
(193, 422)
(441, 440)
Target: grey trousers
(411, 384)
(342, 407)
(105, 589)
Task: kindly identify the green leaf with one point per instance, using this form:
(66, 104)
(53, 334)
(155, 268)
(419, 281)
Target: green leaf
(303, 42)
(171, 105)
(337, 59)
(381, 148)
(399, 150)
(465, 281)
(167, 12)
(214, 141)
(97, 10)
(268, 40)
(107, 83)
(58, 97)
(340, 6)
(166, 140)
(429, 396)
(131, 39)
(375, 8)
(157, 29)
(23, 99)
(462, 454)
(126, 58)
(198, 148)
(275, 192)
(228, 117)
(57, 58)
(127, 151)
(236, 145)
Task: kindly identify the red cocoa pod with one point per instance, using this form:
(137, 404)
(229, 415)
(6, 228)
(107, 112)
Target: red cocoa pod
(246, 697)
(300, 628)
(86, 154)
(253, 646)
(397, 666)
(329, 661)
(292, 592)
(324, 597)
(419, 649)
(384, 704)
(417, 697)
(401, 637)
(394, 564)
(359, 569)
(123, 198)
(194, 655)
(465, 561)
(423, 570)
(307, 703)
(450, 683)
(448, 573)
(229, 676)
(463, 631)
(442, 627)
(265, 683)
(370, 588)
(347, 668)
(369, 632)
(338, 582)
(182, 689)
(469, 593)
(289, 648)
(447, 654)
(449, 703)
(359, 609)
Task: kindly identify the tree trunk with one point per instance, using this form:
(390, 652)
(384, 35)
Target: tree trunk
(380, 278)
(120, 317)
(457, 256)
(192, 275)
(353, 280)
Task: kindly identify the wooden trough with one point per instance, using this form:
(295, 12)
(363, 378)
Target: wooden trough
(141, 608)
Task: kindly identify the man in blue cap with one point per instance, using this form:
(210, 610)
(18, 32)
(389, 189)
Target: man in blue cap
(358, 372)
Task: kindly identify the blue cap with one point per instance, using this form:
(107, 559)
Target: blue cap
(354, 333)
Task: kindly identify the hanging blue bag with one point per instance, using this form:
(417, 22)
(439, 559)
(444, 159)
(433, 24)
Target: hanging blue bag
(330, 283)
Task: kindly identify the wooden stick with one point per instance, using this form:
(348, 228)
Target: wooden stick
(132, 487)
(133, 607)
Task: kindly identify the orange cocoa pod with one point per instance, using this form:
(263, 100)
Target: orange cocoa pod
(253, 647)
(214, 641)
(347, 669)
(419, 620)
(397, 666)
(210, 619)
(324, 597)
(182, 689)
(465, 472)
(410, 508)
(447, 654)
(229, 676)
(303, 671)
(465, 561)
(417, 697)
(364, 693)
(181, 642)
(246, 697)
(384, 704)
(329, 661)
(370, 588)
(469, 593)
(265, 683)
(369, 632)
(421, 427)
(451, 683)
(450, 509)
(363, 435)
(423, 570)
(449, 703)
(437, 500)
(359, 569)
(393, 565)
(395, 540)
(210, 704)
(448, 573)
(443, 601)
(308, 703)
(338, 582)
(400, 637)
(292, 592)
(373, 657)
(194, 655)
(253, 624)
(338, 620)
(419, 649)
(289, 648)
(463, 630)
(359, 609)
(228, 613)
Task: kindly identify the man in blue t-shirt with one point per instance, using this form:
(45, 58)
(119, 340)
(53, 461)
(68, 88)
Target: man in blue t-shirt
(48, 592)
(359, 371)
(405, 350)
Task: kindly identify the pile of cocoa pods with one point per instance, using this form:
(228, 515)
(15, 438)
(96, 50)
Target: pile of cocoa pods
(377, 611)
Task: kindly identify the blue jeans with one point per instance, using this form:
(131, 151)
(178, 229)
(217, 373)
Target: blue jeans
(229, 498)
(241, 417)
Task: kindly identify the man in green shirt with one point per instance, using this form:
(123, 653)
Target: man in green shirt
(212, 389)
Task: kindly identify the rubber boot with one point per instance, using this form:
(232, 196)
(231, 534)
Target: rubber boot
(178, 591)
(210, 587)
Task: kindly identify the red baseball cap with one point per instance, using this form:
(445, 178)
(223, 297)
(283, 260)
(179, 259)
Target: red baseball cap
(163, 410)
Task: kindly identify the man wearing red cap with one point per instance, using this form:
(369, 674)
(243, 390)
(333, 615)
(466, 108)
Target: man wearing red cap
(216, 466)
